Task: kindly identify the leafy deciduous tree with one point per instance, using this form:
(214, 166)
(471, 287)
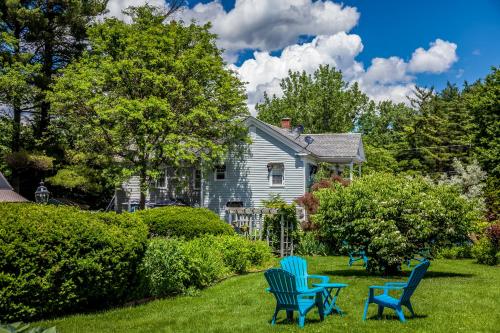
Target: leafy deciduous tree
(149, 94)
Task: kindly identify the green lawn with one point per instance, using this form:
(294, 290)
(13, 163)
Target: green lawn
(455, 296)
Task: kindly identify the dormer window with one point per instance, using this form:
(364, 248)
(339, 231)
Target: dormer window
(276, 174)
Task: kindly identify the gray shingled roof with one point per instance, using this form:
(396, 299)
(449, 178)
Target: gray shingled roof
(341, 145)
(4, 184)
(7, 193)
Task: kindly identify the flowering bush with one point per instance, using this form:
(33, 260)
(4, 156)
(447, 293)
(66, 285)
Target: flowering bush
(487, 249)
(394, 217)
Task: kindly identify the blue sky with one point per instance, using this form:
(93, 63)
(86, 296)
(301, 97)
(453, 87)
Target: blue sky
(396, 27)
(386, 46)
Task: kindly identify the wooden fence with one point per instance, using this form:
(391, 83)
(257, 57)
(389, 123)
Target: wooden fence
(249, 222)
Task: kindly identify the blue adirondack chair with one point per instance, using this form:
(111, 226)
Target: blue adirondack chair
(290, 298)
(298, 267)
(408, 288)
(424, 254)
(355, 255)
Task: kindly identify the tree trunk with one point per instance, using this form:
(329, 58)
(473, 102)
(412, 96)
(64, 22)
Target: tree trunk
(143, 186)
(16, 129)
(47, 71)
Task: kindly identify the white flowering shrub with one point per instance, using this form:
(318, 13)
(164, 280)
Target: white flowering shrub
(394, 217)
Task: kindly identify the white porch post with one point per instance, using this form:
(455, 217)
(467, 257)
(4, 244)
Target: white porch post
(351, 171)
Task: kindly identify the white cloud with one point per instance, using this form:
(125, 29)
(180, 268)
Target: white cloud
(272, 24)
(115, 7)
(264, 72)
(437, 59)
(387, 70)
(386, 78)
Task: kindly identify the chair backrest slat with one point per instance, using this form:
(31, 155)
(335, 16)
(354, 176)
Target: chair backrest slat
(298, 267)
(282, 285)
(413, 281)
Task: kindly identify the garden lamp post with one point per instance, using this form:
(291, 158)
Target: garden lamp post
(42, 194)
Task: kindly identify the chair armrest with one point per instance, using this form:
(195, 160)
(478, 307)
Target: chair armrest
(323, 278)
(401, 284)
(387, 287)
(311, 291)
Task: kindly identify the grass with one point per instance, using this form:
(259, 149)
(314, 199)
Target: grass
(455, 296)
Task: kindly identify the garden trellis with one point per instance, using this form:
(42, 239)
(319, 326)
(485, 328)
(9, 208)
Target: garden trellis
(249, 222)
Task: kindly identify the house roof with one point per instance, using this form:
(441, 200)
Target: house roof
(333, 147)
(7, 193)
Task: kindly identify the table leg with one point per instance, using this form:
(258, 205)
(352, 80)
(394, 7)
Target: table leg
(331, 301)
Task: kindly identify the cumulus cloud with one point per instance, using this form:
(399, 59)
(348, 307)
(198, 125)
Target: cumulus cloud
(386, 78)
(115, 7)
(272, 24)
(437, 59)
(264, 71)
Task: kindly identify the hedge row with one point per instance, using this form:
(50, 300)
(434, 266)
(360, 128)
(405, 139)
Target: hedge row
(57, 260)
(172, 266)
(187, 222)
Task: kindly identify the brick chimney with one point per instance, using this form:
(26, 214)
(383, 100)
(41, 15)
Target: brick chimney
(286, 123)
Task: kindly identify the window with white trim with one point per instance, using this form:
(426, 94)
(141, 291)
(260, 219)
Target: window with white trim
(220, 172)
(277, 174)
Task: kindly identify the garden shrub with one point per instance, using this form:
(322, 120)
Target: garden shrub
(187, 222)
(56, 260)
(456, 252)
(394, 217)
(260, 253)
(310, 245)
(206, 261)
(164, 269)
(235, 252)
(173, 266)
(487, 249)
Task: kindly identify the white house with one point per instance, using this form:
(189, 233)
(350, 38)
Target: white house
(280, 160)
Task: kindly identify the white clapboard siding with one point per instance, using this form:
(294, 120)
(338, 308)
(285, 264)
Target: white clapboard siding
(247, 179)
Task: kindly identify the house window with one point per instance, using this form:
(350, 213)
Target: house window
(161, 181)
(220, 172)
(277, 174)
(234, 204)
(197, 179)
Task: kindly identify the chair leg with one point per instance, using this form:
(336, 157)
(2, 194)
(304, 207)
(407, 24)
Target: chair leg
(408, 305)
(289, 315)
(366, 309)
(302, 319)
(399, 312)
(350, 262)
(273, 321)
(380, 311)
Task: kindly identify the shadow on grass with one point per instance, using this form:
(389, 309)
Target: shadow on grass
(363, 273)
(396, 318)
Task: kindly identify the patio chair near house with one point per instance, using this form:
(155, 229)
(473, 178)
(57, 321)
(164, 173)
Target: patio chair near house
(384, 300)
(290, 298)
(423, 255)
(355, 255)
(298, 267)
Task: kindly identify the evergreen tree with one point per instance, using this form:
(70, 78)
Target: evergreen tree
(483, 100)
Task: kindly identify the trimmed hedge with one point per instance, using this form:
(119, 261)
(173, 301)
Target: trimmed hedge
(173, 266)
(57, 260)
(187, 222)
